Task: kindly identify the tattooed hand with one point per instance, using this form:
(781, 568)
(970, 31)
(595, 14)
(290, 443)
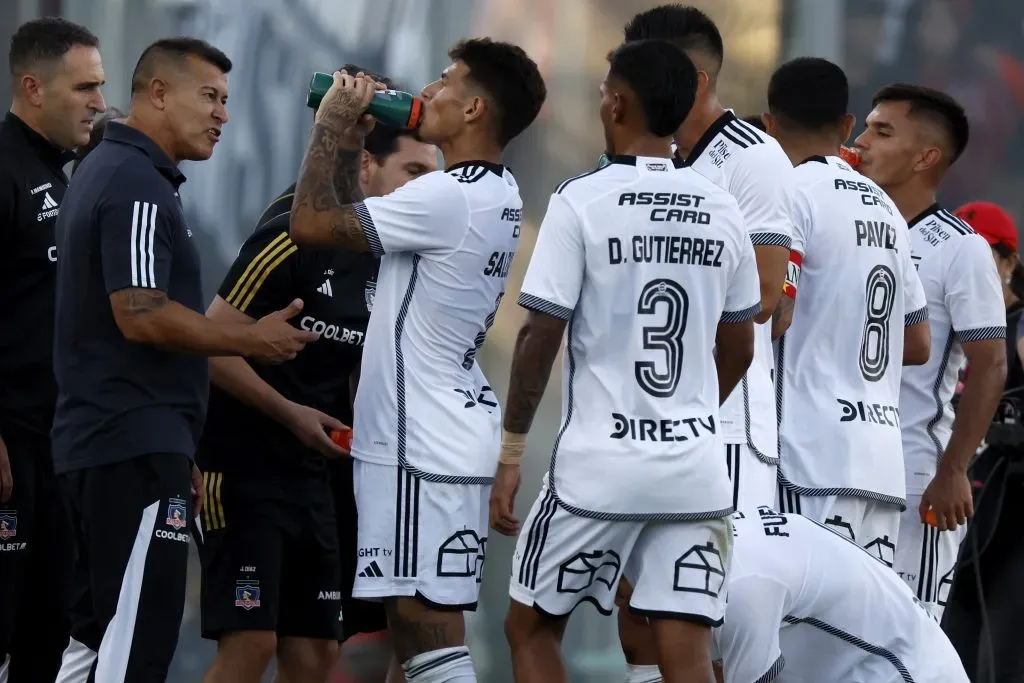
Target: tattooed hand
(345, 102)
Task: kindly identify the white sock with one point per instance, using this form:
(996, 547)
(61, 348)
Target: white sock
(643, 673)
(450, 665)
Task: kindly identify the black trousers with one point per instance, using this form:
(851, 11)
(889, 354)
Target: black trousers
(130, 522)
(35, 562)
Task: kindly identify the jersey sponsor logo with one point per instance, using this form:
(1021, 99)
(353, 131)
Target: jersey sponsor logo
(462, 555)
(875, 234)
(933, 232)
(176, 513)
(370, 295)
(583, 570)
(659, 431)
(371, 571)
(12, 547)
(690, 202)
(326, 289)
(333, 332)
(247, 594)
(772, 522)
(179, 536)
(700, 570)
(375, 552)
(36, 190)
(8, 524)
(499, 264)
(870, 195)
(50, 209)
(719, 153)
(513, 215)
(657, 166)
(874, 413)
(51, 254)
(329, 595)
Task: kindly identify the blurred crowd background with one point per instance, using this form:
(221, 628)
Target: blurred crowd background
(973, 49)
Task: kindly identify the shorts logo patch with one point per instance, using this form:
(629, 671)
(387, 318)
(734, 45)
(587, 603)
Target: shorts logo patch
(583, 570)
(883, 549)
(460, 554)
(372, 571)
(8, 524)
(176, 513)
(700, 570)
(247, 594)
(370, 295)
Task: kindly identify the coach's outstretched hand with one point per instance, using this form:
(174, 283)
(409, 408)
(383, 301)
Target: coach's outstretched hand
(503, 500)
(274, 338)
(309, 424)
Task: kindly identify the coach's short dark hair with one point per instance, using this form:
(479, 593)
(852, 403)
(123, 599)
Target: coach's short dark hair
(684, 26)
(99, 127)
(175, 50)
(934, 106)
(663, 79)
(45, 40)
(382, 141)
(809, 93)
(510, 78)
(755, 121)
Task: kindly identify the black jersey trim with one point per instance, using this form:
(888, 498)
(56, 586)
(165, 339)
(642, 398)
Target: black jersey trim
(954, 222)
(773, 671)
(709, 135)
(888, 655)
(731, 317)
(924, 214)
(566, 182)
(771, 239)
(981, 334)
(915, 317)
(816, 158)
(630, 160)
(901, 503)
(472, 171)
(369, 229)
(536, 303)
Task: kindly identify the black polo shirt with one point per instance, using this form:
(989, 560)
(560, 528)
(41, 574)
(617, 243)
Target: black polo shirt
(337, 288)
(121, 227)
(32, 186)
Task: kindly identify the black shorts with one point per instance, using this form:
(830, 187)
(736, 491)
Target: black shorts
(129, 522)
(35, 561)
(360, 616)
(270, 561)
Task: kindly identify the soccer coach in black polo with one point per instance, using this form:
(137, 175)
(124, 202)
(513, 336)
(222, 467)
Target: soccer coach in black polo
(130, 353)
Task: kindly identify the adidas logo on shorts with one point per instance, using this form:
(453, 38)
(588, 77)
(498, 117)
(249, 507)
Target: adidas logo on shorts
(372, 571)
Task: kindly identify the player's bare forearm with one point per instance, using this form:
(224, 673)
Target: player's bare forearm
(783, 316)
(734, 344)
(148, 316)
(537, 346)
(978, 402)
(917, 343)
(235, 376)
(771, 269)
(322, 212)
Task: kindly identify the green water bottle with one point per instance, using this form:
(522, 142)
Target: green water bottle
(603, 160)
(391, 107)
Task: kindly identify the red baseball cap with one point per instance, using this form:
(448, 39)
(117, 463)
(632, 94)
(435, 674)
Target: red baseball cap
(991, 222)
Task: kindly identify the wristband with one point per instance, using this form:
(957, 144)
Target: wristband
(512, 447)
(796, 260)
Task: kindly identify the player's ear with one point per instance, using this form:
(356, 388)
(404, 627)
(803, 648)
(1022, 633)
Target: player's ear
(618, 110)
(474, 109)
(770, 123)
(928, 158)
(367, 168)
(703, 82)
(849, 121)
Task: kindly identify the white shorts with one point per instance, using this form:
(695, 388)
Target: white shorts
(872, 524)
(419, 538)
(753, 480)
(678, 569)
(926, 557)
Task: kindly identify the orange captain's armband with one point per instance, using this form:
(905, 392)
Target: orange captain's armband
(796, 259)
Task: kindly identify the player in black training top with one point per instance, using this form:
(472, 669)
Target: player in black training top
(277, 567)
(129, 346)
(56, 76)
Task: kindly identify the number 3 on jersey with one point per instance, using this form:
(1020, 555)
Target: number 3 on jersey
(667, 337)
(880, 292)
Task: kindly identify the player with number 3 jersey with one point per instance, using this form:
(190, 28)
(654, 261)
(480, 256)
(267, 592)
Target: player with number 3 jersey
(839, 363)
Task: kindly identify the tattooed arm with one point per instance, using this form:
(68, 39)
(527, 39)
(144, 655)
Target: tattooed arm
(536, 348)
(322, 211)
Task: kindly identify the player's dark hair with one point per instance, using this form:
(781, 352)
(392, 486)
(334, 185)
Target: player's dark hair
(45, 40)
(382, 141)
(756, 122)
(99, 126)
(684, 26)
(934, 106)
(808, 93)
(511, 80)
(175, 50)
(663, 79)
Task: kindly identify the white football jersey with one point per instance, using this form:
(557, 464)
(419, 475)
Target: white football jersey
(447, 240)
(807, 604)
(752, 167)
(965, 304)
(644, 259)
(838, 366)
